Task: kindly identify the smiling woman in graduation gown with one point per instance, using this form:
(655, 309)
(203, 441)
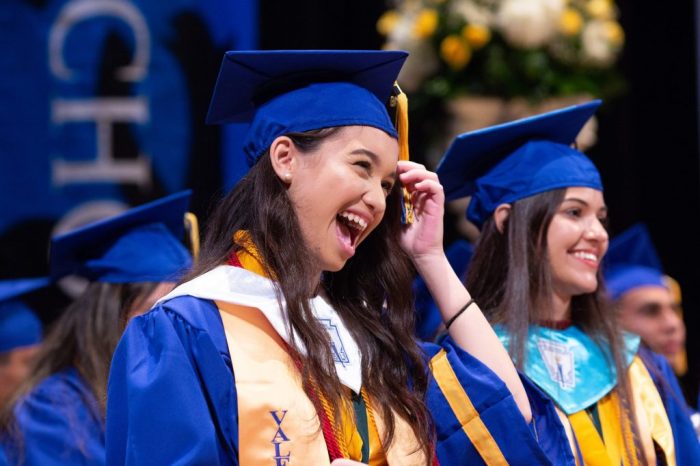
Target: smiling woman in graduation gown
(536, 270)
(291, 341)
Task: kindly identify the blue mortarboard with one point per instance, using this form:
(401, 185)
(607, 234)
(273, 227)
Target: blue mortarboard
(141, 245)
(19, 326)
(632, 262)
(280, 92)
(428, 317)
(515, 160)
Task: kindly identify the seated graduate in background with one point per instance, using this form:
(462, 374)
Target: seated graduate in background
(57, 415)
(20, 334)
(291, 342)
(536, 271)
(642, 293)
(646, 306)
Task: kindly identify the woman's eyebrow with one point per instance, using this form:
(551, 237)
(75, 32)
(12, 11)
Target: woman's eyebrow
(576, 199)
(368, 153)
(584, 203)
(374, 158)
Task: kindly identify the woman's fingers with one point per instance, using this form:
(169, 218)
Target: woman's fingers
(405, 165)
(415, 175)
(427, 186)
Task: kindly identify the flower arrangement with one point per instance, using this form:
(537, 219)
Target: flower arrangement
(507, 48)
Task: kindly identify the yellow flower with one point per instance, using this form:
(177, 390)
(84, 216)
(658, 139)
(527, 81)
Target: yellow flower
(570, 22)
(455, 52)
(426, 23)
(387, 22)
(600, 9)
(476, 35)
(614, 33)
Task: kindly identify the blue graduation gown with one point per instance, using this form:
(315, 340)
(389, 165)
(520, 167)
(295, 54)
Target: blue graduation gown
(3, 458)
(172, 397)
(59, 423)
(684, 436)
(543, 442)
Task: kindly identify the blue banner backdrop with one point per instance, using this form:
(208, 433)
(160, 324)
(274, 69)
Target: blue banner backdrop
(102, 104)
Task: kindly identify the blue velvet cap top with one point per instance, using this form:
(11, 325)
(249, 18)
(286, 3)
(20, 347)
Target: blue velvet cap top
(279, 92)
(19, 326)
(142, 244)
(632, 262)
(504, 163)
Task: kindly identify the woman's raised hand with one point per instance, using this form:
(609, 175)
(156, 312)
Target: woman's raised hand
(423, 238)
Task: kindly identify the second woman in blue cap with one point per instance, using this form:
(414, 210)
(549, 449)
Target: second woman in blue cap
(536, 271)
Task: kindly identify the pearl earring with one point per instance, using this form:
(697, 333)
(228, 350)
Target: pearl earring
(287, 177)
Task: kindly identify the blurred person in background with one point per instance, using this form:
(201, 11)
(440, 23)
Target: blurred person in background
(57, 415)
(643, 295)
(20, 334)
(647, 303)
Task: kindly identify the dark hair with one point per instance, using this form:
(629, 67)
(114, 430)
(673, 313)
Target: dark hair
(84, 337)
(369, 293)
(510, 272)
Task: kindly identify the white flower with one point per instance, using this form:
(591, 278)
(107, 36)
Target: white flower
(474, 12)
(422, 60)
(421, 63)
(403, 30)
(530, 23)
(596, 45)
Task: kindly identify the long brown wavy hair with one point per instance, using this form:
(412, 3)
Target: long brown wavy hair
(369, 293)
(510, 272)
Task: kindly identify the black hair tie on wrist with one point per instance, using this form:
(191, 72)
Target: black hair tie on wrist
(459, 313)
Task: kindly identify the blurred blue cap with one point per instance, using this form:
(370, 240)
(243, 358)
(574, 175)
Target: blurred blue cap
(504, 163)
(141, 245)
(428, 317)
(280, 92)
(19, 326)
(632, 262)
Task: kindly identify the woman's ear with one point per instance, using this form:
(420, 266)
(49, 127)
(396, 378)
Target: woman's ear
(501, 215)
(283, 155)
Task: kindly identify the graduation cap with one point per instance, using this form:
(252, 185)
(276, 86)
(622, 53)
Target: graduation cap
(515, 160)
(142, 244)
(19, 326)
(632, 262)
(428, 317)
(280, 92)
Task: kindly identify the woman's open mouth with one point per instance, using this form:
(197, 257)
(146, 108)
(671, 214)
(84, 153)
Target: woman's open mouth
(350, 229)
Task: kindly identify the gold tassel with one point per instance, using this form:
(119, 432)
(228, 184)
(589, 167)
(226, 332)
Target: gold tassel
(401, 122)
(192, 230)
(400, 101)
